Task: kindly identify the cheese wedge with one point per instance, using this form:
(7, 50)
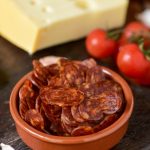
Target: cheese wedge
(36, 24)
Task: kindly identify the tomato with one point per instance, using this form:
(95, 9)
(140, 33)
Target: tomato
(144, 80)
(99, 45)
(133, 31)
(132, 62)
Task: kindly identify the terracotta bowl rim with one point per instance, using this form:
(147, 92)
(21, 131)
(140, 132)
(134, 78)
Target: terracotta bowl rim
(79, 139)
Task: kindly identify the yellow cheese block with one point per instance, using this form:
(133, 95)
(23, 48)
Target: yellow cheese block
(36, 24)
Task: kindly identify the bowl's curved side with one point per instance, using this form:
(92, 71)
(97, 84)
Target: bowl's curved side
(100, 144)
(122, 121)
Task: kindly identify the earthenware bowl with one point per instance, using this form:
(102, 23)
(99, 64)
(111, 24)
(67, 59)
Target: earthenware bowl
(102, 140)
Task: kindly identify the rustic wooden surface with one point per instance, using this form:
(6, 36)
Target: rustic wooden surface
(14, 63)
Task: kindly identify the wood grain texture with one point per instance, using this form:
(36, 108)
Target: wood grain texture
(14, 63)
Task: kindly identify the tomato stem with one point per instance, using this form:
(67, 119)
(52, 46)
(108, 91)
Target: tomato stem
(136, 39)
(145, 52)
(115, 34)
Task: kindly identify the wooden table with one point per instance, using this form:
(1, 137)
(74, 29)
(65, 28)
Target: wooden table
(14, 63)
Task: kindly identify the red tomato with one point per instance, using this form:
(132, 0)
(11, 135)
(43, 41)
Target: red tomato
(132, 62)
(145, 80)
(99, 45)
(135, 29)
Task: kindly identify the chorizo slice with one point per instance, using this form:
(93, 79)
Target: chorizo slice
(53, 69)
(40, 71)
(73, 72)
(110, 85)
(107, 121)
(67, 128)
(35, 81)
(57, 129)
(111, 102)
(62, 96)
(90, 109)
(57, 82)
(90, 63)
(96, 89)
(90, 89)
(28, 94)
(47, 122)
(38, 104)
(52, 112)
(94, 75)
(76, 114)
(82, 130)
(67, 118)
(23, 108)
(34, 118)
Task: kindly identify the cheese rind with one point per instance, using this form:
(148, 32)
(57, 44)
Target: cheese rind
(37, 24)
